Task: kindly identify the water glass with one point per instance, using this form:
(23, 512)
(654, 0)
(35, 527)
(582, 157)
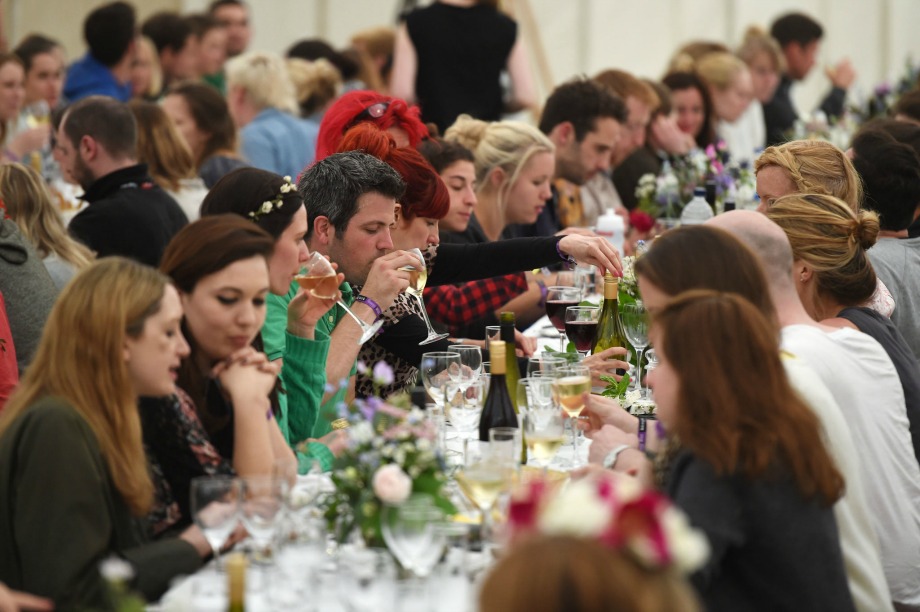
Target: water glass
(545, 364)
(505, 445)
(493, 332)
(261, 508)
(368, 580)
(438, 370)
(215, 506)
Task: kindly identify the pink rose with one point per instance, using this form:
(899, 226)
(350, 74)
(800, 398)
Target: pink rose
(391, 484)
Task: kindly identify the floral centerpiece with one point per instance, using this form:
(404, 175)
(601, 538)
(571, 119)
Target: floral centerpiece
(615, 510)
(391, 454)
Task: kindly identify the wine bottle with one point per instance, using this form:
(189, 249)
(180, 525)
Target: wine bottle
(236, 582)
(512, 369)
(498, 410)
(609, 327)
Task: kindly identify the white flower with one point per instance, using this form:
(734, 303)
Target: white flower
(576, 511)
(361, 432)
(116, 569)
(689, 546)
(391, 484)
(266, 208)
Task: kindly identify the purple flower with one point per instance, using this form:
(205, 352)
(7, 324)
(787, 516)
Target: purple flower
(383, 374)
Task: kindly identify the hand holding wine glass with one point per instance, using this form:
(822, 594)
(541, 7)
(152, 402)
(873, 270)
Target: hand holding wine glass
(418, 277)
(306, 309)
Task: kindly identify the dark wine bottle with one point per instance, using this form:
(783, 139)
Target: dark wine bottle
(498, 410)
(609, 327)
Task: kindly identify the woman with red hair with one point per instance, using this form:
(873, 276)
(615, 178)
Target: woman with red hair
(393, 115)
(424, 203)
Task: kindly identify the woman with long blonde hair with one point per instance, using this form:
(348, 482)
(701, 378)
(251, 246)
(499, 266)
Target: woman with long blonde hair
(71, 454)
(29, 203)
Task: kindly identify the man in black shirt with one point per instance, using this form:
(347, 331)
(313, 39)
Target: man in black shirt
(799, 36)
(128, 214)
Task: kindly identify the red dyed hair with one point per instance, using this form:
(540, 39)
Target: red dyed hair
(426, 196)
(343, 112)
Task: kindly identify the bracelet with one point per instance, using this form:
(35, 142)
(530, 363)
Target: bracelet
(611, 459)
(641, 434)
(543, 293)
(269, 415)
(378, 312)
(563, 256)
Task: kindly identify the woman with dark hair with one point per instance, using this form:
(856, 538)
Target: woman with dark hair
(220, 268)
(753, 472)
(72, 468)
(454, 164)
(201, 115)
(289, 337)
(402, 121)
(691, 106)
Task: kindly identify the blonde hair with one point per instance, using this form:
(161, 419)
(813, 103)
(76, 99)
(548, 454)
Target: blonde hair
(720, 69)
(156, 72)
(316, 83)
(585, 575)
(686, 57)
(815, 166)
(30, 204)
(265, 79)
(832, 238)
(81, 359)
(757, 41)
(159, 145)
(377, 41)
(508, 145)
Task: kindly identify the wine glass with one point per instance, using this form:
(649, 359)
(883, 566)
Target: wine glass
(465, 408)
(482, 480)
(568, 392)
(262, 505)
(471, 360)
(544, 365)
(368, 580)
(558, 298)
(544, 431)
(215, 506)
(441, 371)
(635, 325)
(418, 276)
(581, 327)
(535, 393)
(319, 278)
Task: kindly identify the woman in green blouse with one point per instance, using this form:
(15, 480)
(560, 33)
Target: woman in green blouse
(73, 476)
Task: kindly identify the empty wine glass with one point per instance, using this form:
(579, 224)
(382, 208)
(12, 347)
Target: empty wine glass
(418, 277)
(545, 364)
(635, 325)
(558, 298)
(319, 278)
(440, 370)
(215, 506)
(535, 393)
(471, 360)
(262, 505)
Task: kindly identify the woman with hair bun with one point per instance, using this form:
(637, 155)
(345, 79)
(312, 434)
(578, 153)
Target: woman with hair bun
(834, 278)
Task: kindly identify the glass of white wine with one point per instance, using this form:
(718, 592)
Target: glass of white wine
(319, 278)
(544, 432)
(483, 479)
(418, 276)
(569, 393)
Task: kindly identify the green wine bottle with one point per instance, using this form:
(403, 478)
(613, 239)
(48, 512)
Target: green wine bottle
(497, 411)
(512, 369)
(609, 327)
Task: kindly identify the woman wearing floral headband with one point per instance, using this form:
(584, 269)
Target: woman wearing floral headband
(273, 203)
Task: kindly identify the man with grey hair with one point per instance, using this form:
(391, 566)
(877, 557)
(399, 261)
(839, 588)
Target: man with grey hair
(873, 405)
(351, 204)
(128, 214)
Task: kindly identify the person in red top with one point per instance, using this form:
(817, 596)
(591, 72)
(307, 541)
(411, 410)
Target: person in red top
(9, 372)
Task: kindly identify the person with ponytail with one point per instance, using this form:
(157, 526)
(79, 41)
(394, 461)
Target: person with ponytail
(835, 279)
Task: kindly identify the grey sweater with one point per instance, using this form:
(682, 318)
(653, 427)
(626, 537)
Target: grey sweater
(27, 289)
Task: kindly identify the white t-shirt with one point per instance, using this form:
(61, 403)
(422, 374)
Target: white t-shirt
(861, 377)
(858, 542)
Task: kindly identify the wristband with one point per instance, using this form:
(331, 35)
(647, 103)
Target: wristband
(378, 312)
(543, 292)
(641, 434)
(611, 459)
(563, 256)
(269, 415)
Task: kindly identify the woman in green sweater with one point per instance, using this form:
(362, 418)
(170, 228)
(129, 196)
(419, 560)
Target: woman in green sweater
(73, 476)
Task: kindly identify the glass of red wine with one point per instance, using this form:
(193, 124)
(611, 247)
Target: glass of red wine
(581, 326)
(559, 298)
